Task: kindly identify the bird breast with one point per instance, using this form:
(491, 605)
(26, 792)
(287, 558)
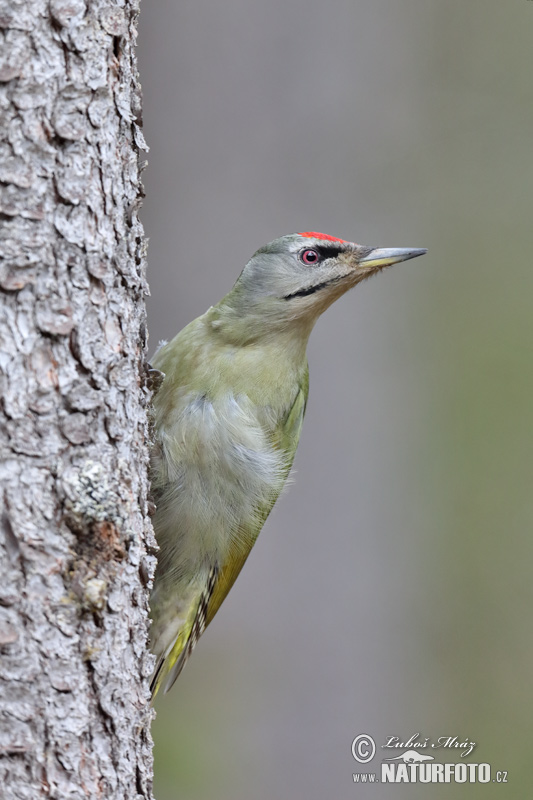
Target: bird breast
(221, 472)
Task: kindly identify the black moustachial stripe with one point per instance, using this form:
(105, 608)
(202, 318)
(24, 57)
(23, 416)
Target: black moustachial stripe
(312, 289)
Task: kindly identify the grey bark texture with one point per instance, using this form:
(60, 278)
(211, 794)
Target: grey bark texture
(75, 537)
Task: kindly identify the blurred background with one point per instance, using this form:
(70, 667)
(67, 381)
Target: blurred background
(390, 591)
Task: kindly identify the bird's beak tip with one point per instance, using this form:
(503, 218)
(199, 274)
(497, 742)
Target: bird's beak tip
(386, 256)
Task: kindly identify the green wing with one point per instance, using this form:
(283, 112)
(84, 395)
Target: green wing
(286, 438)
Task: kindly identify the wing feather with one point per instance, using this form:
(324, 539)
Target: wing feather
(286, 439)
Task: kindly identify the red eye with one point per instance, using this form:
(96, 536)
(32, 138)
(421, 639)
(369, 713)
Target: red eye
(310, 256)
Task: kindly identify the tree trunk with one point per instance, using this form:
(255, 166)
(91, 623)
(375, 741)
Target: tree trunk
(75, 536)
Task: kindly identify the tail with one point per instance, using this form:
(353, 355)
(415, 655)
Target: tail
(171, 662)
(169, 666)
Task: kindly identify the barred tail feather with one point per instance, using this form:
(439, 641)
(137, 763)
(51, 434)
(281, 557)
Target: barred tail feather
(170, 664)
(168, 667)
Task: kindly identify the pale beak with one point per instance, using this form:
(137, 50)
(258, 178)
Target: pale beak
(386, 256)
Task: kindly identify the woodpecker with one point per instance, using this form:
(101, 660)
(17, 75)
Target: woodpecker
(227, 418)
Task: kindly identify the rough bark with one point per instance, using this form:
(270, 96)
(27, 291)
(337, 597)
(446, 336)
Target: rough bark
(75, 536)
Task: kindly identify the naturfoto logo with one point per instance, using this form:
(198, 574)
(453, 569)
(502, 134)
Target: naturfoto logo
(413, 766)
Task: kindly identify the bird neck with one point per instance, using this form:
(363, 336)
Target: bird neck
(240, 324)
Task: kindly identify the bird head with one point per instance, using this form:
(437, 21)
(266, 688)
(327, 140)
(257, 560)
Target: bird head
(292, 280)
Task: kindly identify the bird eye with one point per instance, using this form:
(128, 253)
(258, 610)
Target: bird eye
(310, 256)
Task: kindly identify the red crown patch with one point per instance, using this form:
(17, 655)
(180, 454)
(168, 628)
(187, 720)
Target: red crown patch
(315, 235)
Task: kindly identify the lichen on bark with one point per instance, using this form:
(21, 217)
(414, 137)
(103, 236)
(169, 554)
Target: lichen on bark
(76, 546)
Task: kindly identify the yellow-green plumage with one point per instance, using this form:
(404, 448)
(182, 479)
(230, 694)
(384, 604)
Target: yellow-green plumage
(272, 409)
(227, 420)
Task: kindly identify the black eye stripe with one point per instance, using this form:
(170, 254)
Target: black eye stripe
(327, 251)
